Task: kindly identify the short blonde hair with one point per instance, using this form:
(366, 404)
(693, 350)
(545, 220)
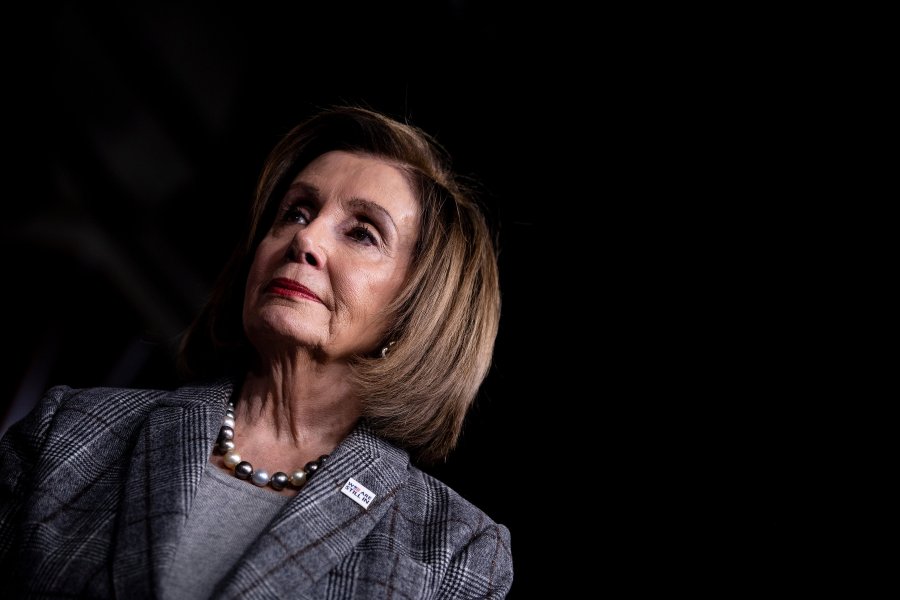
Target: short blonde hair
(444, 321)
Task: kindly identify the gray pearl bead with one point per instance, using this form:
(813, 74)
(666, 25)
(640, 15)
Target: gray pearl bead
(279, 480)
(226, 433)
(225, 446)
(243, 470)
(260, 477)
(311, 468)
(298, 478)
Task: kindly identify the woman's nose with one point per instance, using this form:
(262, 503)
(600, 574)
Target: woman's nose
(307, 247)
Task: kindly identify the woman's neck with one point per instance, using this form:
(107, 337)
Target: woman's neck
(300, 400)
(287, 415)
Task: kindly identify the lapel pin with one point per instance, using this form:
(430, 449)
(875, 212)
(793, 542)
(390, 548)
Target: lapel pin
(358, 492)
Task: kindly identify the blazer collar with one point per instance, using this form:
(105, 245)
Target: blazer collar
(321, 525)
(167, 462)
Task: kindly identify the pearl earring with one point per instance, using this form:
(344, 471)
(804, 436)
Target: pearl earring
(386, 349)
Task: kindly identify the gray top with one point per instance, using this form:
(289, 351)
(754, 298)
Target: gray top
(227, 515)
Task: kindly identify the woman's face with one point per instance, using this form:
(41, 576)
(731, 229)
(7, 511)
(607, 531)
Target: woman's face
(336, 255)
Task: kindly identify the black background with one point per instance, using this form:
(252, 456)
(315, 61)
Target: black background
(137, 136)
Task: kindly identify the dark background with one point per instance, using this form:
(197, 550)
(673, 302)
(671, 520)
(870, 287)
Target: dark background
(136, 137)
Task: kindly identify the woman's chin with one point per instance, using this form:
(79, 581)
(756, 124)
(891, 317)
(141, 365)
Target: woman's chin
(277, 341)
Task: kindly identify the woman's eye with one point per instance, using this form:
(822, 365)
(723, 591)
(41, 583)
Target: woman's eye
(296, 215)
(361, 233)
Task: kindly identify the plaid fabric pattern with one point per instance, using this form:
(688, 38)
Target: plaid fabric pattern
(96, 484)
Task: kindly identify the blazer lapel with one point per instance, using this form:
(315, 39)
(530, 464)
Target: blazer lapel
(167, 463)
(321, 525)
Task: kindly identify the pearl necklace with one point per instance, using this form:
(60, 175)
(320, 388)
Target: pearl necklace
(260, 477)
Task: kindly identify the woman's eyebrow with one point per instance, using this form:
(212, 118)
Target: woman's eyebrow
(371, 207)
(307, 188)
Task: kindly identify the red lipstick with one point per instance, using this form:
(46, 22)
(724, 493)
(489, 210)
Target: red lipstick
(288, 287)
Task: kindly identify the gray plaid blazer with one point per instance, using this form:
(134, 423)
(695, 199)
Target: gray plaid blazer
(96, 484)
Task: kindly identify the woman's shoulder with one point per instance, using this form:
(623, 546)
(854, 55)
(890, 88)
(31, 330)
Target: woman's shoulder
(69, 396)
(426, 505)
(103, 397)
(102, 414)
(436, 521)
(428, 500)
(430, 493)
(62, 403)
(61, 400)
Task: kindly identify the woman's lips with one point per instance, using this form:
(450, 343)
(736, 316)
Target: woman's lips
(288, 287)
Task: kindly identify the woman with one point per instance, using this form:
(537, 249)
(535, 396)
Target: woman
(350, 331)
